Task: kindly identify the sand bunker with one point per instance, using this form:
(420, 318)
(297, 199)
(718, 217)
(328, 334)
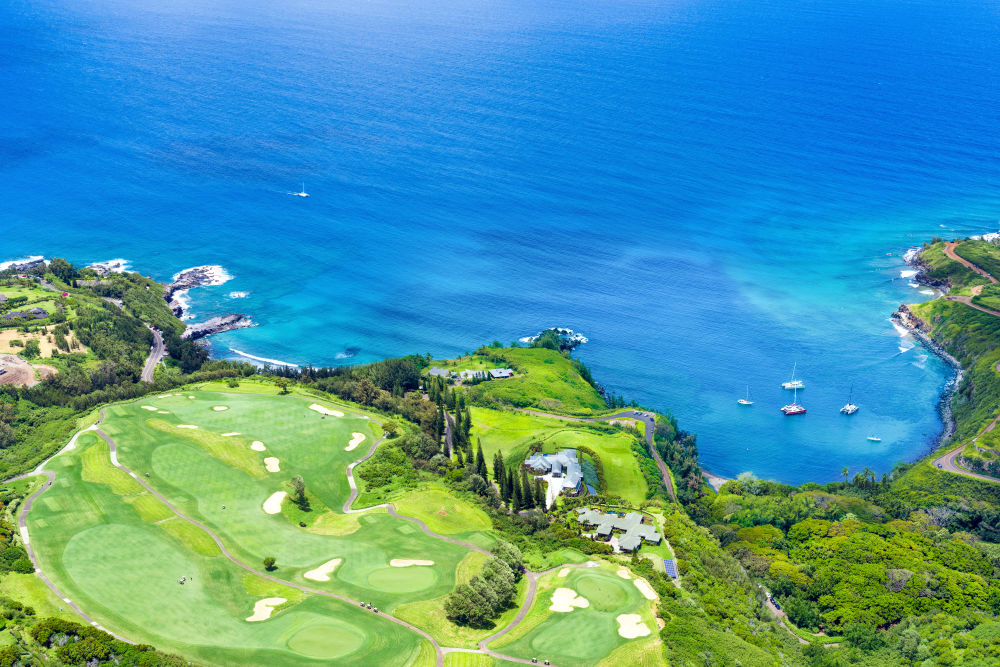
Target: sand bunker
(229, 435)
(149, 407)
(564, 572)
(356, 440)
(191, 397)
(273, 504)
(405, 562)
(644, 588)
(165, 395)
(220, 408)
(565, 599)
(263, 608)
(186, 426)
(624, 574)
(323, 572)
(258, 446)
(325, 411)
(271, 463)
(631, 626)
(162, 412)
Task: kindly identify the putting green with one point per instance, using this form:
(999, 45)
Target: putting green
(603, 593)
(120, 553)
(326, 641)
(402, 579)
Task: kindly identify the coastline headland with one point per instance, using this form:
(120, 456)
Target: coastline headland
(920, 330)
(207, 275)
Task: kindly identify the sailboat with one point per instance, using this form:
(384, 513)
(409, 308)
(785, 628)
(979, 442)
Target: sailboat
(794, 408)
(850, 408)
(746, 401)
(875, 438)
(793, 383)
(300, 193)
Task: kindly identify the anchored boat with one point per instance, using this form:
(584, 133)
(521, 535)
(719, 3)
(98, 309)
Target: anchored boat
(793, 383)
(874, 438)
(794, 408)
(747, 400)
(850, 408)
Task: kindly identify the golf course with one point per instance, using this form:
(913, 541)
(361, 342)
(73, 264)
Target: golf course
(118, 551)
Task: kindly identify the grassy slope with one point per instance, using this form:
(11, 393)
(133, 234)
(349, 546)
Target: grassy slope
(512, 433)
(983, 254)
(545, 379)
(941, 267)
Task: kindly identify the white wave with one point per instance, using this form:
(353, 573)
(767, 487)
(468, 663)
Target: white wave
(216, 275)
(911, 254)
(914, 285)
(24, 260)
(928, 292)
(263, 360)
(182, 300)
(117, 265)
(909, 273)
(991, 237)
(238, 295)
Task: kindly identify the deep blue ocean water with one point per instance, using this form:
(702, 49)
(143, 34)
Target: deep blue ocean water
(710, 190)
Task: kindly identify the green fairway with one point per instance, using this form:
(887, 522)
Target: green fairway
(119, 552)
(442, 511)
(593, 629)
(513, 433)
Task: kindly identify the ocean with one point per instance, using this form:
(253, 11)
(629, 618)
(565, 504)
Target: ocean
(709, 190)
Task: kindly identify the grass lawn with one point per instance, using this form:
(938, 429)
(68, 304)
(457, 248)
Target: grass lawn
(512, 433)
(442, 511)
(32, 591)
(594, 629)
(102, 537)
(544, 379)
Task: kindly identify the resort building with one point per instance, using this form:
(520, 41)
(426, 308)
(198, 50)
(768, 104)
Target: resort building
(561, 470)
(501, 373)
(631, 531)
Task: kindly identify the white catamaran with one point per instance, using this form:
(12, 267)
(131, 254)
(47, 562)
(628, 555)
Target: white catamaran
(850, 408)
(793, 383)
(794, 408)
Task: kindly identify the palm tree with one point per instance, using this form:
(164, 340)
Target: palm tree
(845, 472)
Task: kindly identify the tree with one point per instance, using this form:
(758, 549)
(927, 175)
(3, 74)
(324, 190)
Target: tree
(390, 428)
(480, 460)
(269, 563)
(282, 384)
(527, 497)
(299, 493)
(232, 383)
(31, 349)
(539, 494)
(499, 474)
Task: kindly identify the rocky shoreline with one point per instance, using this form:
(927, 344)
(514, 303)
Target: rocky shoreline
(916, 326)
(202, 276)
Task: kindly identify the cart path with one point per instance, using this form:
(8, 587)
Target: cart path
(649, 419)
(949, 250)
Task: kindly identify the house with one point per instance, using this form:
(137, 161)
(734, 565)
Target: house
(635, 532)
(15, 315)
(501, 373)
(439, 372)
(472, 375)
(3, 298)
(561, 470)
(38, 313)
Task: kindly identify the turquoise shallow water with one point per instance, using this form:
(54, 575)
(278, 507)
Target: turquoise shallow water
(709, 190)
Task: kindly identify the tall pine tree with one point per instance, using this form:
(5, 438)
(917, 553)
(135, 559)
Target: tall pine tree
(539, 494)
(527, 497)
(481, 462)
(499, 474)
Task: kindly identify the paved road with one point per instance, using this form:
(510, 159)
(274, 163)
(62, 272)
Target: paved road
(948, 463)
(155, 355)
(649, 419)
(949, 250)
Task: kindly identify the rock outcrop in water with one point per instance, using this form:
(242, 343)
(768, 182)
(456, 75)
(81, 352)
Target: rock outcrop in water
(217, 325)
